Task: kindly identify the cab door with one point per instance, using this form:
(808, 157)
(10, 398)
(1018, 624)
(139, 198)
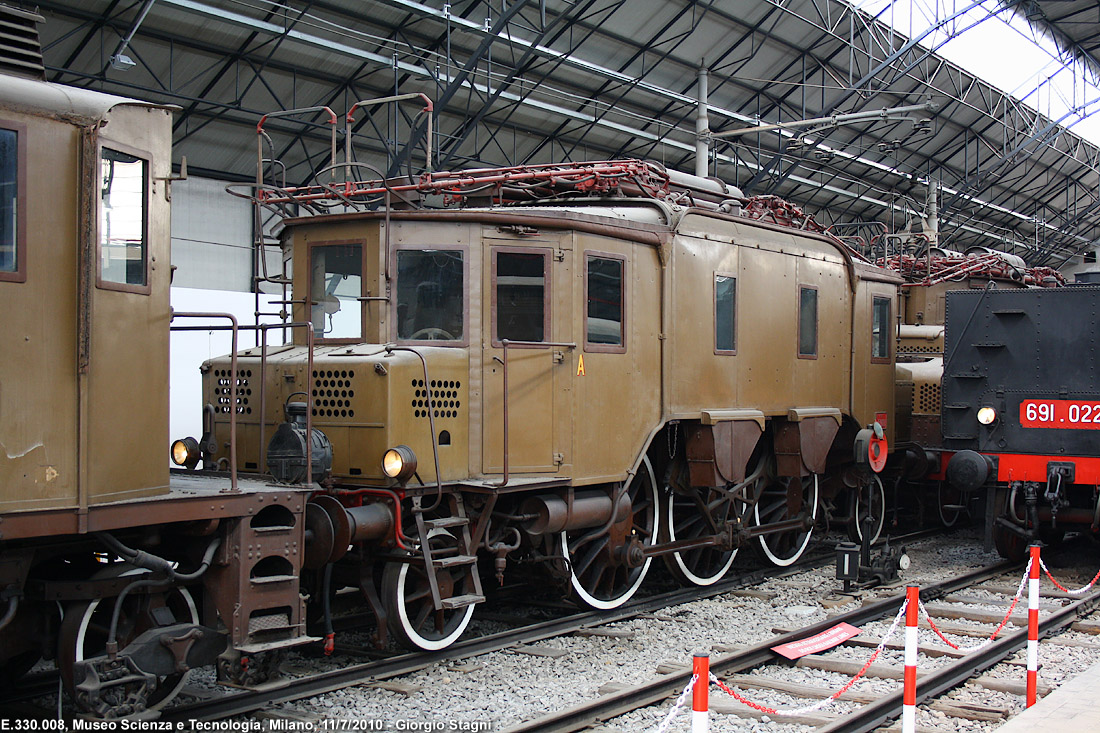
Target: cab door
(527, 287)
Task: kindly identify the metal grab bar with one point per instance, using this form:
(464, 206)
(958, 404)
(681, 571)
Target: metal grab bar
(232, 383)
(429, 107)
(505, 344)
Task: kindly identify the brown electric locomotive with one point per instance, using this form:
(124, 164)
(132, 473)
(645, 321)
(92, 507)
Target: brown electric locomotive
(578, 366)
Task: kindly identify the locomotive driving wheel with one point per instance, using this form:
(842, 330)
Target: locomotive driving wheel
(603, 571)
(783, 498)
(407, 598)
(698, 512)
(860, 510)
(86, 627)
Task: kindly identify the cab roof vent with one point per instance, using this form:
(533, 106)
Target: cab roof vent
(20, 50)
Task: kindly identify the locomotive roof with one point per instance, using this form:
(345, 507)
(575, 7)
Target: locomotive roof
(84, 106)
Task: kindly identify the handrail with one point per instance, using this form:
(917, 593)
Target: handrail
(506, 343)
(260, 134)
(232, 385)
(428, 109)
(390, 348)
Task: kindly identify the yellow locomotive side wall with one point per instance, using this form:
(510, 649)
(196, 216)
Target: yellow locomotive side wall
(38, 467)
(765, 374)
(128, 448)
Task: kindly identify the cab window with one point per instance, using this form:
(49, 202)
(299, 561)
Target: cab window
(880, 329)
(123, 254)
(430, 295)
(335, 286)
(520, 296)
(11, 246)
(604, 312)
(725, 321)
(807, 323)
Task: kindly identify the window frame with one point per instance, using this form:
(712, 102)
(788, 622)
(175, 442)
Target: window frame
(147, 184)
(623, 325)
(422, 247)
(19, 274)
(732, 276)
(875, 299)
(308, 275)
(547, 255)
(817, 322)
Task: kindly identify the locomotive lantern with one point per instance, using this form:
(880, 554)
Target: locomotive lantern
(286, 453)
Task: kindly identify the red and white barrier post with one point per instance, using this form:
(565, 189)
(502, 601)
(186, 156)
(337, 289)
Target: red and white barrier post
(700, 667)
(909, 694)
(1033, 627)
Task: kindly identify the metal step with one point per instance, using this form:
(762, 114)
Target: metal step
(454, 561)
(462, 601)
(445, 522)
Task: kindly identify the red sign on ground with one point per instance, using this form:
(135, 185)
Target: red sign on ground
(825, 640)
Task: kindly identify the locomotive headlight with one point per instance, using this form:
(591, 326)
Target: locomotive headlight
(399, 463)
(987, 415)
(186, 453)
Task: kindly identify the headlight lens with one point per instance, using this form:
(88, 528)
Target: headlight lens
(186, 452)
(986, 415)
(399, 463)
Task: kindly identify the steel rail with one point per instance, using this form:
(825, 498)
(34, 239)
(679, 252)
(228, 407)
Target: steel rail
(251, 700)
(246, 701)
(654, 691)
(872, 715)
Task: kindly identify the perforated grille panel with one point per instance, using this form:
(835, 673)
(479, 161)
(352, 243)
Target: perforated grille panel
(445, 395)
(333, 390)
(910, 349)
(223, 382)
(928, 399)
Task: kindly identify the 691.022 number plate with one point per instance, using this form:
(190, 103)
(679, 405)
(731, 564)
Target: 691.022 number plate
(1073, 414)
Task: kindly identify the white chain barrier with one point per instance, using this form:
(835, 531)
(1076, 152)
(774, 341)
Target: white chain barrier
(820, 704)
(1080, 591)
(681, 701)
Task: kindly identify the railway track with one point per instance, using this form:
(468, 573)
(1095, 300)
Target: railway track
(743, 668)
(246, 701)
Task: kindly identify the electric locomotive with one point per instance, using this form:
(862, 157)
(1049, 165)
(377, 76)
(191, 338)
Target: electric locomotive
(581, 367)
(125, 576)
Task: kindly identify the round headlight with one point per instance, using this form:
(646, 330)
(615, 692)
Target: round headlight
(399, 463)
(986, 415)
(186, 452)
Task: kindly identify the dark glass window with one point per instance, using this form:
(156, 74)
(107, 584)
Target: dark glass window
(880, 329)
(335, 286)
(521, 296)
(604, 322)
(725, 324)
(9, 197)
(122, 247)
(430, 295)
(807, 322)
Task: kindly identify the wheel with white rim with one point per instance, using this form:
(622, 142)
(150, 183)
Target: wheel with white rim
(859, 510)
(407, 598)
(784, 498)
(691, 513)
(599, 573)
(86, 627)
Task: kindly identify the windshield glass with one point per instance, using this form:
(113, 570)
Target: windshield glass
(335, 288)
(430, 303)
